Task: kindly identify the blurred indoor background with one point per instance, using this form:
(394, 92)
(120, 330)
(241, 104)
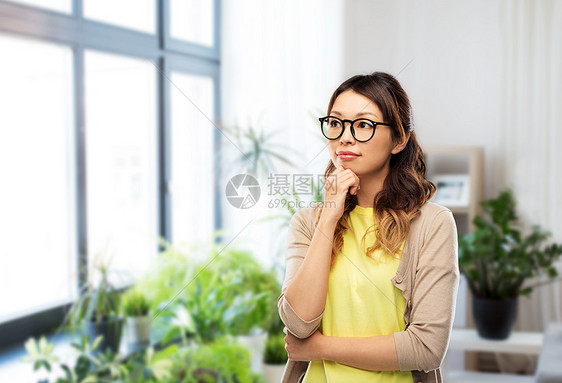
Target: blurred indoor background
(124, 123)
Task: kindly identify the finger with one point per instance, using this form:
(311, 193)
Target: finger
(355, 188)
(349, 184)
(345, 178)
(356, 183)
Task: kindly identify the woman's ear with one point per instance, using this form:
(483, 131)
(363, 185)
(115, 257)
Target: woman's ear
(401, 144)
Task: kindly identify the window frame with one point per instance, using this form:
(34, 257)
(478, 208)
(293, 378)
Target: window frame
(193, 67)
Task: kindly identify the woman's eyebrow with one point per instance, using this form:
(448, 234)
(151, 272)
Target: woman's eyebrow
(358, 114)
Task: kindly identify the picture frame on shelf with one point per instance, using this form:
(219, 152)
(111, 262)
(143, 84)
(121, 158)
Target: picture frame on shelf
(453, 190)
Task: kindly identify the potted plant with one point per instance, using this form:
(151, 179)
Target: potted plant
(274, 358)
(497, 259)
(136, 309)
(275, 355)
(97, 309)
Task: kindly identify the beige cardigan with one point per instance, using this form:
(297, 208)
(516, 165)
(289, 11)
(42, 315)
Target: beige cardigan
(428, 276)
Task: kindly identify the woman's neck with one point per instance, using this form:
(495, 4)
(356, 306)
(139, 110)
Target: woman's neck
(369, 188)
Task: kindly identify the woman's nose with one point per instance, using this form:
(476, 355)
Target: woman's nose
(347, 136)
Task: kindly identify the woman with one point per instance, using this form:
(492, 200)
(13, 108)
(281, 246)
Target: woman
(371, 272)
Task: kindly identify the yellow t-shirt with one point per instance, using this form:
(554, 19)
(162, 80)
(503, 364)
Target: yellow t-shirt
(361, 302)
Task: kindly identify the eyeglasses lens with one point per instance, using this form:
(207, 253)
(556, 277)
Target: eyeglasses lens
(363, 129)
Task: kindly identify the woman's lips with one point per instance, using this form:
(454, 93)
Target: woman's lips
(345, 156)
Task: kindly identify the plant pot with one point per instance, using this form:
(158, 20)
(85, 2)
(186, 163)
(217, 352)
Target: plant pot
(137, 330)
(494, 318)
(256, 345)
(110, 327)
(273, 372)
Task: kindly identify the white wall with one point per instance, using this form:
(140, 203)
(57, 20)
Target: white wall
(448, 58)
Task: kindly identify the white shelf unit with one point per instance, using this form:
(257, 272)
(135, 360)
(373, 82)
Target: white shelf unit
(519, 342)
(469, 340)
(464, 161)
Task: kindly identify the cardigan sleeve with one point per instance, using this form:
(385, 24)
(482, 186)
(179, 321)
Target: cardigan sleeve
(298, 241)
(423, 344)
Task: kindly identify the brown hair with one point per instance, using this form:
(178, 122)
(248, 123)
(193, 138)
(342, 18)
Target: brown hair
(405, 188)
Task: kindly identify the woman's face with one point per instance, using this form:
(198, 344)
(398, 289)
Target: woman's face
(373, 156)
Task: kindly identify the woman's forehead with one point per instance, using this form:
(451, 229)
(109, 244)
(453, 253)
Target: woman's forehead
(352, 104)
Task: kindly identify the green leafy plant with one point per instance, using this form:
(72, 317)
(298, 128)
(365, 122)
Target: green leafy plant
(144, 366)
(220, 361)
(88, 367)
(178, 324)
(95, 302)
(135, 303)
(40, 353)
(276, 326)
(205, 301)
(230, 293)
(150, 365)
(169, 273)
(97, 309)
(253, 293)
(275, 352)
(498, 257)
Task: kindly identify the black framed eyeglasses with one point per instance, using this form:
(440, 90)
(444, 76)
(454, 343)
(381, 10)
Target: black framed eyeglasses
(362, 129)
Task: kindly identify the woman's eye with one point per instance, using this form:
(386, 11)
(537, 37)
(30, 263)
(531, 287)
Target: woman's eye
(334, 123)
(365, 125)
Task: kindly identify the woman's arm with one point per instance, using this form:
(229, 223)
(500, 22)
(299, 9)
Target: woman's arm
(376, 353)
(306, 290)
(303, 297)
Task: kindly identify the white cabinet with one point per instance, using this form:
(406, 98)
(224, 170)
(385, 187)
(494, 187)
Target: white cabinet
(468, 340)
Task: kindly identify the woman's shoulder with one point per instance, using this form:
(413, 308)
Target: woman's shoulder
(434, 225)
(432, 209)
(431, 213)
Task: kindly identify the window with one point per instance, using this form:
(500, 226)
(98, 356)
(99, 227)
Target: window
(121, 147)
(91, 131)
(192, 21)
(37, 167)
(192, 132)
